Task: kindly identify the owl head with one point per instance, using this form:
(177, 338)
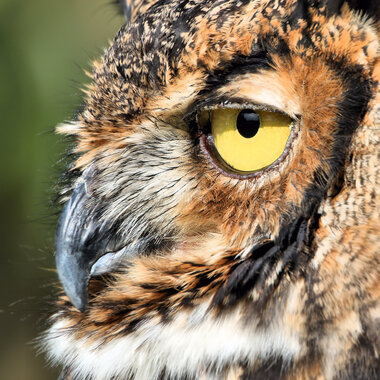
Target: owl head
(224, 190)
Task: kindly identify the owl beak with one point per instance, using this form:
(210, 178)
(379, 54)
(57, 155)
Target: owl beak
(84, 246)
(72, 262)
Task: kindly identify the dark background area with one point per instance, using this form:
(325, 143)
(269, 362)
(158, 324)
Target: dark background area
(44, 47)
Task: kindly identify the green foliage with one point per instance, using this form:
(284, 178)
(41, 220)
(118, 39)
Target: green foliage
(45, 45)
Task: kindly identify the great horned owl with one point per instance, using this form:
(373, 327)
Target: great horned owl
(222, 217)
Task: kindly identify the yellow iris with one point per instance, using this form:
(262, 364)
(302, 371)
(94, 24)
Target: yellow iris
(249, 140)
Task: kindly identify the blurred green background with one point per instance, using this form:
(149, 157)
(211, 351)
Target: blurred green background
(44, 47)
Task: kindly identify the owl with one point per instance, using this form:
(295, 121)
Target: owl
(221, 216)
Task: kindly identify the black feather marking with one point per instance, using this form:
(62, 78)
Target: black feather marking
(370, 7)
(332, 6)
(270, 262)
(239, 65)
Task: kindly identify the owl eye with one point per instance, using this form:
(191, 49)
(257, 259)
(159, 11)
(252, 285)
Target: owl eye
(247, 140)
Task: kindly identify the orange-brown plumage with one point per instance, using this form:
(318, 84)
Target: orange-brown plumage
(225, 274)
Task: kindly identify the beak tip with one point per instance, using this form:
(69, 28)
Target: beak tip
(80, 304)
(74, 278)
(77, 293)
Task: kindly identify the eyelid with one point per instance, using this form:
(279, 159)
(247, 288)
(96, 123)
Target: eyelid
(242, 106)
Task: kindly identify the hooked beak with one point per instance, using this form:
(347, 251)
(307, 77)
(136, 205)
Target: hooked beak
(82, 240)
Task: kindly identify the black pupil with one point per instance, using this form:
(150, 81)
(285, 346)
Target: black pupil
(248, 123)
